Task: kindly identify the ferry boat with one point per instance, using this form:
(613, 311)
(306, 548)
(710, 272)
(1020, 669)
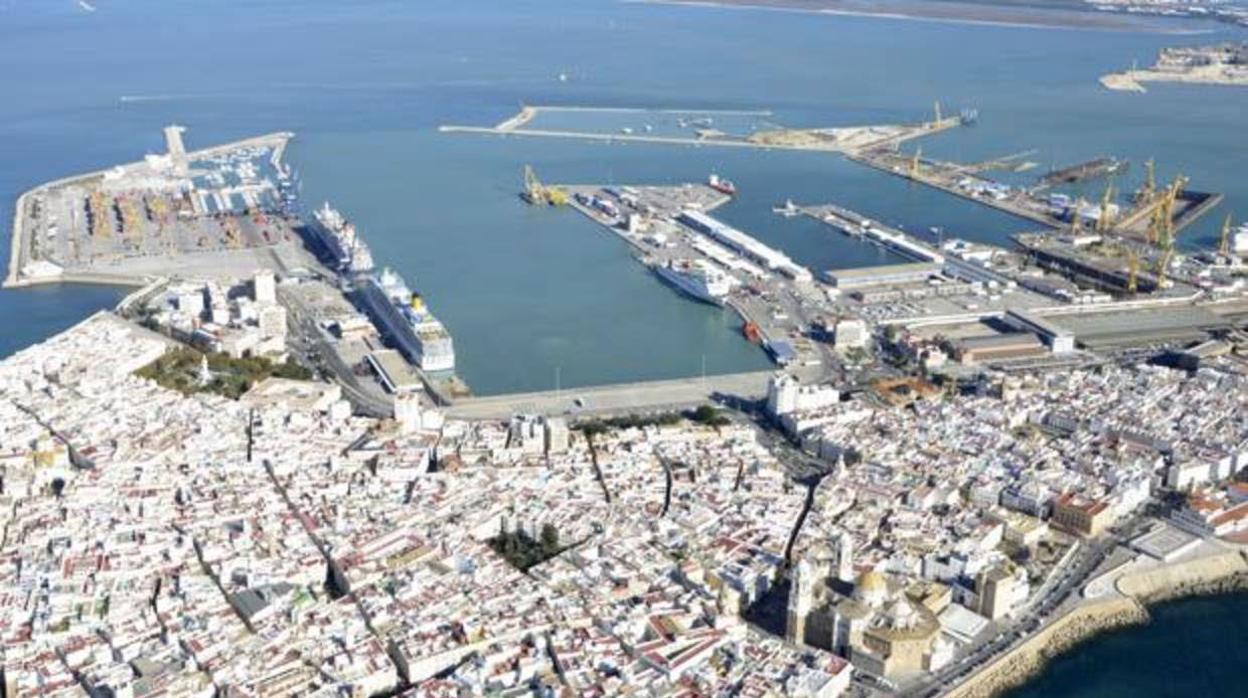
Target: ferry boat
(338, 238)
(723, 186)
(403, 318)
(697, 278)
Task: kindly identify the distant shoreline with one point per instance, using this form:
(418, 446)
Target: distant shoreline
(1022, 17)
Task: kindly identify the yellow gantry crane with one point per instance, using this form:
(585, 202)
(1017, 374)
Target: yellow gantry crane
(1163, 266)
(537, 193)
(1105, 220)
(1133, 271)
(1224, 240)
(1076, 216)
(1150, 182)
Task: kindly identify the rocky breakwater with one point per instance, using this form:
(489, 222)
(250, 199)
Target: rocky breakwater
(1221, 572)
(1029, 657)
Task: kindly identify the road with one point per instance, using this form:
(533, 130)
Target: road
(607, 399)
(311, 346)
(1056, 595)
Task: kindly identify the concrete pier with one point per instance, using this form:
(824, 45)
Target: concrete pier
(626, 397)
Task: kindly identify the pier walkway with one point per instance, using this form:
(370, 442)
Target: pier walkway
(607, 399)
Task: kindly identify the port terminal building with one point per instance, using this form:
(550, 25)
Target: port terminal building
(744, 245)
(884, 275)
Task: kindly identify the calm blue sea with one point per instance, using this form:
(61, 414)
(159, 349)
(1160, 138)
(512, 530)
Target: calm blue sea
(1192, 647)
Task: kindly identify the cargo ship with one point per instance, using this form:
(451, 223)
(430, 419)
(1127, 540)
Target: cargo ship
(697, 278)
(340, 242)
(402, 318)
(723, 186)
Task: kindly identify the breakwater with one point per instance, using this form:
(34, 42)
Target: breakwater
(1223, 572)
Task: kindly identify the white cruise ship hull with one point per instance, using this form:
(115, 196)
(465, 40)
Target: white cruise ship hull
(687, 286)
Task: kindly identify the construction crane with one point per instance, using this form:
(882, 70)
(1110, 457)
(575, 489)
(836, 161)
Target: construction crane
(1105, 219)
(914, 163)
(1133, 271)
(536, 193)
(1224, 241)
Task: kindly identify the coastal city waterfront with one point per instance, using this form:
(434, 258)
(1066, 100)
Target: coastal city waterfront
(515, 365)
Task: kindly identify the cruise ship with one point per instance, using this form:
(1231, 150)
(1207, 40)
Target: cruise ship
(697, 278)
(337, 236)
(402, 317)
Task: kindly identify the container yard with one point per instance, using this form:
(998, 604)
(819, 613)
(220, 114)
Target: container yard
(219, 211)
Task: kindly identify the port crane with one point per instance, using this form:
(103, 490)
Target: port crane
(914, 163)
(1163, 266)
(1149, 188)
(1224, 240)
(537, 193)
(1133, 271)
(1105, 219)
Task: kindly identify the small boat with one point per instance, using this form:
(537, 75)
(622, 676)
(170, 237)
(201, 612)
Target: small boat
(723, 186)
(788, 210)
(752, 332)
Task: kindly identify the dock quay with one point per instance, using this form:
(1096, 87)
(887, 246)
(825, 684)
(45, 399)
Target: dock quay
(604, 400)
(669, 226)
(1055, 211)
(958, 180)
(857, 225)
(831, 139)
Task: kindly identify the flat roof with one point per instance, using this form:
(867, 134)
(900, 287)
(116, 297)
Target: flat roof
(885, 270)
(395, 372)
(1154, 324)
(998, 341)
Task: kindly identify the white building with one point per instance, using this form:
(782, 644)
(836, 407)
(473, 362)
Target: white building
(264, 287)
(786, 395)
(850, 334)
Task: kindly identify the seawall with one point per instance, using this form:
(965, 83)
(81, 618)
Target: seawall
(1028, 658)
(1214, 574)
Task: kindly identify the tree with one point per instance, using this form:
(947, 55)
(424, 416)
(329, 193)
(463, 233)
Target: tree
(549, 539)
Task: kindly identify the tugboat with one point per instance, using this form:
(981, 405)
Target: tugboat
(751, 332)
(723, 186)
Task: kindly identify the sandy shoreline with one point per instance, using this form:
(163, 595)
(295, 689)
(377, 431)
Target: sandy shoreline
(953, 13)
